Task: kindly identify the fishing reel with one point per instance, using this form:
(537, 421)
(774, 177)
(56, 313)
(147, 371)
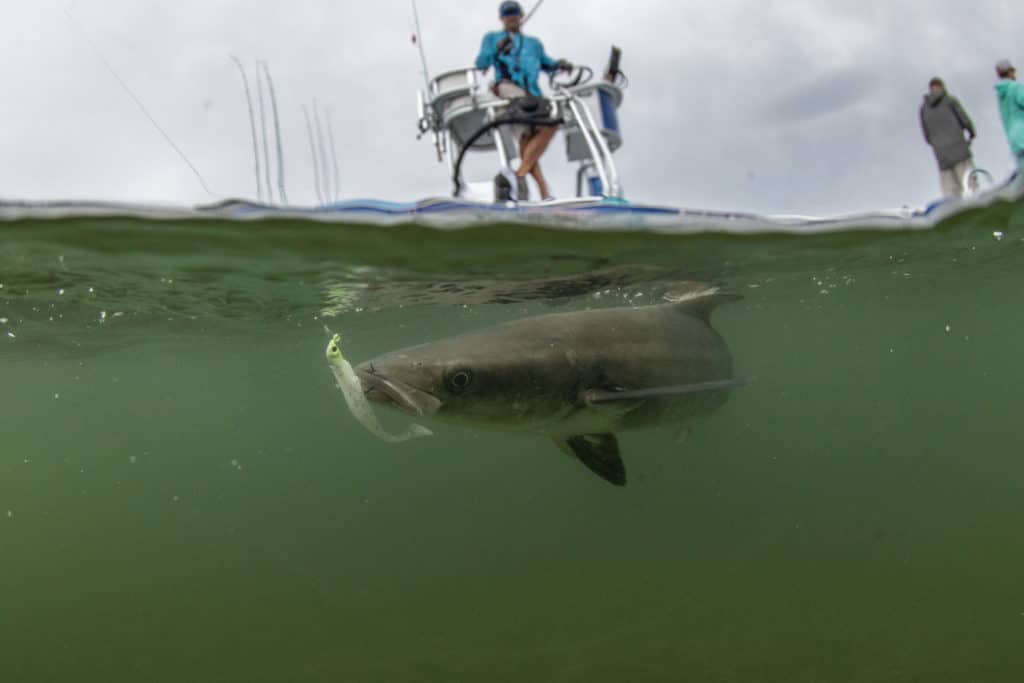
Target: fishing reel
(428, 123)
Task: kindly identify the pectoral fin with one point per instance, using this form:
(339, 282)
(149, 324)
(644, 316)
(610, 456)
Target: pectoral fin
(599, 452)
(598, 396)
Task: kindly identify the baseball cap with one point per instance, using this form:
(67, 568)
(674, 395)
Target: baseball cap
(1003, 67)
(510, 8)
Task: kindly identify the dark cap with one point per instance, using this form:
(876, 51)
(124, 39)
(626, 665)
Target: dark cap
(936, 81)
(510, 8)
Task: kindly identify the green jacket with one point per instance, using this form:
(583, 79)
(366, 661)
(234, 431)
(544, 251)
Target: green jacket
(1011, 108)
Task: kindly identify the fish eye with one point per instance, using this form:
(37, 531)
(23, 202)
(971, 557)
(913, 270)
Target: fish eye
(460, 380)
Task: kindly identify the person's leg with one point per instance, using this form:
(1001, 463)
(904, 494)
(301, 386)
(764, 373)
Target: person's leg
(950, 185)
(962, 169)
(542, 183)
(534, 148)
(524, 141)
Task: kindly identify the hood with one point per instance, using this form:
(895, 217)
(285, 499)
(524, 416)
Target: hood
(933, 98)
(1003, 87)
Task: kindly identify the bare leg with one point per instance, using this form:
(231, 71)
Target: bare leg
(524, 142)
(542, 183)
(534, 148)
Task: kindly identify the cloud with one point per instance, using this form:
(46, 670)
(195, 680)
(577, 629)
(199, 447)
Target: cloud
(823, 95)
(737, 104)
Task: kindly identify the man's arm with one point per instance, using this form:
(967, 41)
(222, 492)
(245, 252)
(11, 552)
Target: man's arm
(488, 53)
(546, 63)
(965, 120)
(924, 128)
(1018, 94)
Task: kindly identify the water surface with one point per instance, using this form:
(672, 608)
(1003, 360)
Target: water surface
(184, 497)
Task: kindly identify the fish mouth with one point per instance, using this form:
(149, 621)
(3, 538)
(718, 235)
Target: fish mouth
(379, 388)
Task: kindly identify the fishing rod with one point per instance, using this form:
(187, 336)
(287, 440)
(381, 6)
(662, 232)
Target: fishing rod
(417, 39)
(277, 135)
(334, 155)
(263, 134)
(252, 126)
(532, 12)
(325, 174)
(312, 150)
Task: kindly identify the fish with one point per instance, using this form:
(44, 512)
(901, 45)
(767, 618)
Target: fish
(578, 377)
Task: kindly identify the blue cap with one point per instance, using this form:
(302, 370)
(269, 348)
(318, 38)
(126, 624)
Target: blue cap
(510, 8)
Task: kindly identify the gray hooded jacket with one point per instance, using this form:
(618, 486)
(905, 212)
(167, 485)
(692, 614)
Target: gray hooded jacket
(943, 121)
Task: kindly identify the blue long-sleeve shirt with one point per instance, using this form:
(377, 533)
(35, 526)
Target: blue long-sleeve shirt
(521, 64)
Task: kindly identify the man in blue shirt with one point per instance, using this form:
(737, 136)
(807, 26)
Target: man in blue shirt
(518, 61)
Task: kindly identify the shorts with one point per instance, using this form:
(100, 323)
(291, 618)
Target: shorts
(507, 90)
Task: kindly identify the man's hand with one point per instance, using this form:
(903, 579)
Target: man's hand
(565, 65)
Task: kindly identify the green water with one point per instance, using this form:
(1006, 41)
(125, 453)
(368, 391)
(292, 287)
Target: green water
(184, 497)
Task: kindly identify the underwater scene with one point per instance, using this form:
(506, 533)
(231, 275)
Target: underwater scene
(561, 455)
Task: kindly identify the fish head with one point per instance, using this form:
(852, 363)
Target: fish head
(492, 380)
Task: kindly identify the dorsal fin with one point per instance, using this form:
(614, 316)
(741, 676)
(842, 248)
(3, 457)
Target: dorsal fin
(702, 303)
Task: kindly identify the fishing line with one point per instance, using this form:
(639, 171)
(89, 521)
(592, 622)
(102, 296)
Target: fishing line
(277, 135)
(145, 112)
(252, 126)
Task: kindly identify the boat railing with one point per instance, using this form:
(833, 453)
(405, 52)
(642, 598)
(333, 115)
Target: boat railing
(459, 104)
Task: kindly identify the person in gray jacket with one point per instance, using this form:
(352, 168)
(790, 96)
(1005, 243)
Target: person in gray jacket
(944, 122)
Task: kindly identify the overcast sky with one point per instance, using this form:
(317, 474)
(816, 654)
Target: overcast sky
(794, 106)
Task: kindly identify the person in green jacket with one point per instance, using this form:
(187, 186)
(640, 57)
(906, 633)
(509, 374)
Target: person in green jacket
(1011, 108)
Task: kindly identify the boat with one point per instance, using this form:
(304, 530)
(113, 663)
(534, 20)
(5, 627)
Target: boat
(462, 116)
